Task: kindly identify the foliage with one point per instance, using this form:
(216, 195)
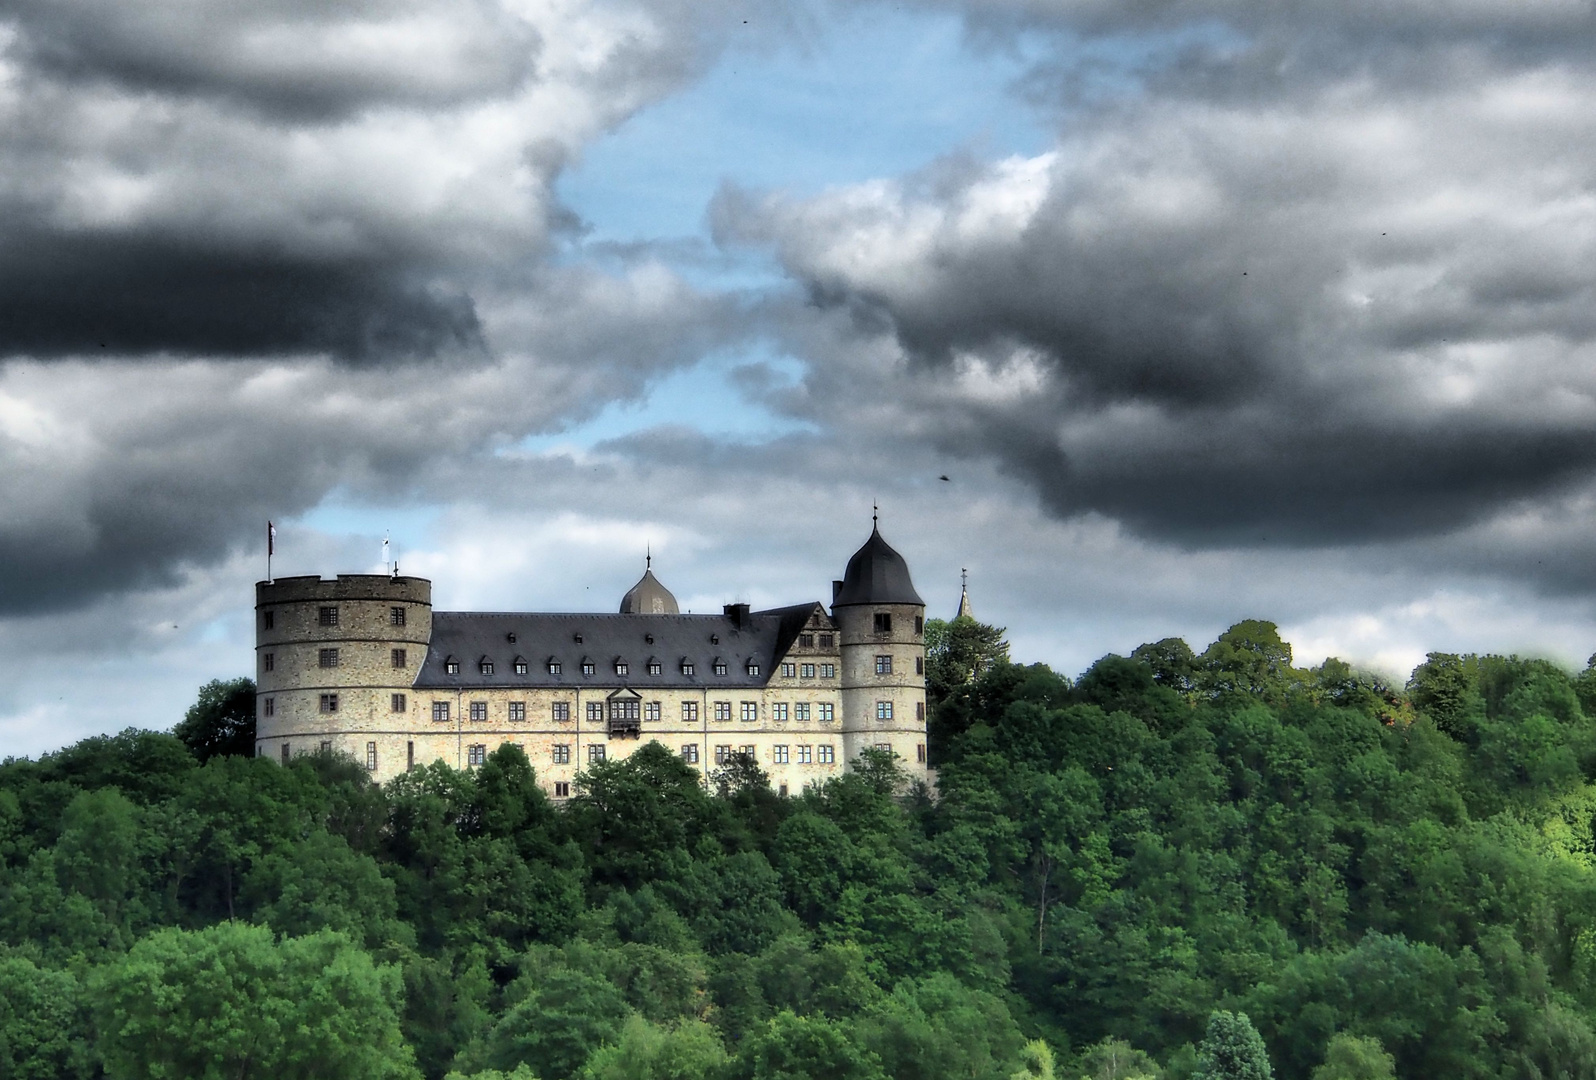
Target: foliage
(222, 721)
(1183, 863)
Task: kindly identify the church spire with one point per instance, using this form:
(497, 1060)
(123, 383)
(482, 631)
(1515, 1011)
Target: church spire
(965, 611)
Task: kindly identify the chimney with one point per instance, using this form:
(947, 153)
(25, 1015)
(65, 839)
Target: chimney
(836, 591)
(738, 614)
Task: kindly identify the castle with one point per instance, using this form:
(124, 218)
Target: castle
(362, 665)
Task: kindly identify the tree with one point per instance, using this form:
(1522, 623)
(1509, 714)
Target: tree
(1232, 1050)
(221, 721)
(1116, 1059)
(688, 1050)
(1352, 1057)
(1036, 1062)
(564, 1016)
(792, 1047)
(957, 652)
(1250, 658)
(232, 1003)
(42, 1026)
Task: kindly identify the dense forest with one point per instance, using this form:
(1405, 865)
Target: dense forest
(1182, 864)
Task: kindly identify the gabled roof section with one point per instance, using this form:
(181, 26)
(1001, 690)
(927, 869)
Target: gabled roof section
(761, 638)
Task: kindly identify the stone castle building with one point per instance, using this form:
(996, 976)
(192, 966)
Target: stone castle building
(362, 665)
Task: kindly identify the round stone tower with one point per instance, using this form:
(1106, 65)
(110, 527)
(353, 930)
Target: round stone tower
(334, 662)
(881, 622)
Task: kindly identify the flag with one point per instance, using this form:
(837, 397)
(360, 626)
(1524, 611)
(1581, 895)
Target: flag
(271, 537)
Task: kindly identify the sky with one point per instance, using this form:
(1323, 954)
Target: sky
(1153, 316)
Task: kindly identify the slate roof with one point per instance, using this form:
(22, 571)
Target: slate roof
(876, 575)
(469, 637)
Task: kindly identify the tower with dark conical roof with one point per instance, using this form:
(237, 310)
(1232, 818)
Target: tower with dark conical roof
(881, 623)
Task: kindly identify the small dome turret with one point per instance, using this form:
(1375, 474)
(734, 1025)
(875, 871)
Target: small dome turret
(876, 575)
(648, 596)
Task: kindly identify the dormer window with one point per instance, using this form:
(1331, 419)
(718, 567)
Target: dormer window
(587, 666)
(520, 665)
(753, 668)
(653, 666)
(720, 666)
(622, 667)
(451, 666)
(579, 639)
(714, 639)
(554, 666)
(485, 666)
(648, 639)
(510, 637)
(687, 666)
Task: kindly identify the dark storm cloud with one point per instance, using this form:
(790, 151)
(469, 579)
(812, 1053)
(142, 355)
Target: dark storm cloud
(1300, 308)
(77, 295)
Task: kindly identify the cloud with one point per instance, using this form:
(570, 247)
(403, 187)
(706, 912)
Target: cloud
(1358, 309)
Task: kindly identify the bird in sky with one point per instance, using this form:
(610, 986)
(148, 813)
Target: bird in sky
(945, 476)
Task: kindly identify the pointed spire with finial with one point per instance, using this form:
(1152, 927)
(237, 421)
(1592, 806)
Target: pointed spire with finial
(965, 611)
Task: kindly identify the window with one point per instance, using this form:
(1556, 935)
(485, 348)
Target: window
(826, 640)
(268, 662)
(651, 710)
(268, 620)
(520, 665)
(825, 754)
(595, 711)
(396, 616)
(778, 754)
(808, 671)
(800, 712)
(327, 616)
(329, 703)
(326, 748)
(476, 754)
(562, 753)
(371, 756)
(440, 712)
(919, 665)
(919, 711)
(451, 666)
(554, 667)
(723, 754)
(883, 622)
(397, 657)
(789, 671)
(517, 712)
(919, 753)
(485, 666)
(690, 753)
(883, 746)
(595, 753)
(268, 707)
(285, 753)
(778, 710)
(750, 711)
(654, 667)
(690, 711)
(753, 668)
(562, 710)
(327, 657)
(883, 710)
(826, 711)
(687, 667)
(587, 667)
(722, 710)
(747, 752)
(919, 624)
(479, 711)
(622, 667)
(621, 709)
(806, 754)
(806, 641)
(720, 667)
(828, 671)
(562, 789)
(883, 665)
(396, 703)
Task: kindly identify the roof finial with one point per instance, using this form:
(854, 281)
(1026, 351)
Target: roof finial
(965, 610)
(875, 512)
(648, 556)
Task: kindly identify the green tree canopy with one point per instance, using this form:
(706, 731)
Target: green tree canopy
(221, 721)
(1232, 1050)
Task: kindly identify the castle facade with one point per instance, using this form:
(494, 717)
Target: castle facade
(362, 665)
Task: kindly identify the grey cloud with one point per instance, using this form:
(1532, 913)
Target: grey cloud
(1358, 313)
